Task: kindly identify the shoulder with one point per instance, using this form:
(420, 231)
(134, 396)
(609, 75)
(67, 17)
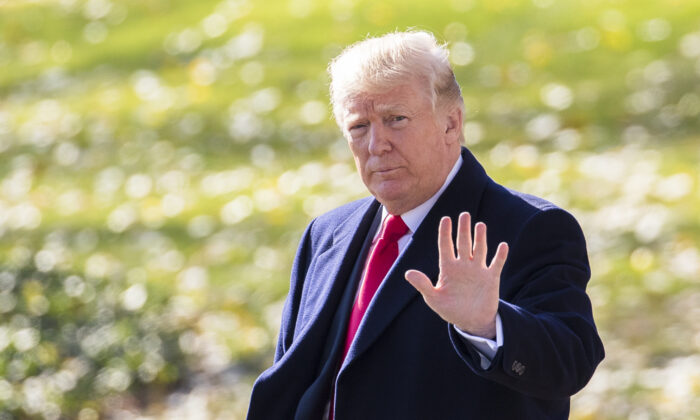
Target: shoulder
(522, 217)
(528, 200)
(514, 204)
(537, 208)
(328, 222)
(540, 234)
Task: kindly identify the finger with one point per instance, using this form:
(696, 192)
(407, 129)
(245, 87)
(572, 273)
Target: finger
(480, 246)
(445, 244)
(499, 259)
(421, 282)
(464, 236)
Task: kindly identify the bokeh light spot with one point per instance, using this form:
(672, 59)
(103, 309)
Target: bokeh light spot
(462, 53)
(133, 298)
(236, 210)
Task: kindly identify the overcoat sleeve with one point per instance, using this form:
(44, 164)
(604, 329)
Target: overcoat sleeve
(551, 347)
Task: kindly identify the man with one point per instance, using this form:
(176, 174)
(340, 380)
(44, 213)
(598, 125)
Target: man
(390, 316)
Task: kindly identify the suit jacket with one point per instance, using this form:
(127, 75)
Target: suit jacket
(408, 363)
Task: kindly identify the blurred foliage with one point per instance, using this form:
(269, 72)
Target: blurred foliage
(160, 158)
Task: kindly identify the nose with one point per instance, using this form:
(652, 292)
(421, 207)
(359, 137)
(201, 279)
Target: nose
(379, 141)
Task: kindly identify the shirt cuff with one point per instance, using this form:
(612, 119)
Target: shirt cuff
(487, 348)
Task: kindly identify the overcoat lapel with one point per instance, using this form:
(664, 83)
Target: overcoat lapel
(333, 269)
(336, 335)
(463, 194)
(313, 402)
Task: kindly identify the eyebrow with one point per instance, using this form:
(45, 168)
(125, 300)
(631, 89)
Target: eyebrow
(395, 107)
(379, 108)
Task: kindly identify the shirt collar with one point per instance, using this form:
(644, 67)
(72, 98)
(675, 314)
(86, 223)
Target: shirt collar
(415, 216)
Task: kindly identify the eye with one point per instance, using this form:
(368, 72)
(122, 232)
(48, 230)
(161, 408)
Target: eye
(398, 120)
(357, 128)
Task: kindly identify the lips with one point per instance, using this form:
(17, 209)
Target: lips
(386, 171)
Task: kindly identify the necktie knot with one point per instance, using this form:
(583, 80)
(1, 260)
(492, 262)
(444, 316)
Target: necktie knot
(394, 228)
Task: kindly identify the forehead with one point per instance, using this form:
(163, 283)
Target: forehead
(402, 98)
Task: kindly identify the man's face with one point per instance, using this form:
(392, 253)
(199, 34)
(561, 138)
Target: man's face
(403, 148)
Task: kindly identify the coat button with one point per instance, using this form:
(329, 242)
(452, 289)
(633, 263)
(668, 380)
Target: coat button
(518, 368)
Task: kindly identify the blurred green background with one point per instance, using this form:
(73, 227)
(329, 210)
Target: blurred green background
(159, 160)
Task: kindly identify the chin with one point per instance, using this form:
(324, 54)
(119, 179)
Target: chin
(389, 191)
(394, 203)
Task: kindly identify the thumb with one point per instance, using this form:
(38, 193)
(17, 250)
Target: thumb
(420, 281)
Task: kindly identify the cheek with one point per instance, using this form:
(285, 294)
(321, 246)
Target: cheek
(358, 151)
(359, 158)
(353, 143)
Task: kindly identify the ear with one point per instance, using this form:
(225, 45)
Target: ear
(453, 124)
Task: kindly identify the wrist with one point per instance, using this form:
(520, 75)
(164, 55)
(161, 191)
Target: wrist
(486, 331)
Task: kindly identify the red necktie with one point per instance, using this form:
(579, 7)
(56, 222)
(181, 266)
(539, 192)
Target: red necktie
(383, 255)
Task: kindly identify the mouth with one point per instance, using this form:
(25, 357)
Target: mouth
(387, 171)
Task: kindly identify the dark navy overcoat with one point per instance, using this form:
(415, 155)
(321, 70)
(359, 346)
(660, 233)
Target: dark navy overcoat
(406, 362)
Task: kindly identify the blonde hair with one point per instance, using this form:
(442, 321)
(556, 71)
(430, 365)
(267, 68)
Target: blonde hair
(379, 64)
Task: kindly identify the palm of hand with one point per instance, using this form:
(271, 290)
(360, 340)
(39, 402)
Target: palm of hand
(466, 292)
